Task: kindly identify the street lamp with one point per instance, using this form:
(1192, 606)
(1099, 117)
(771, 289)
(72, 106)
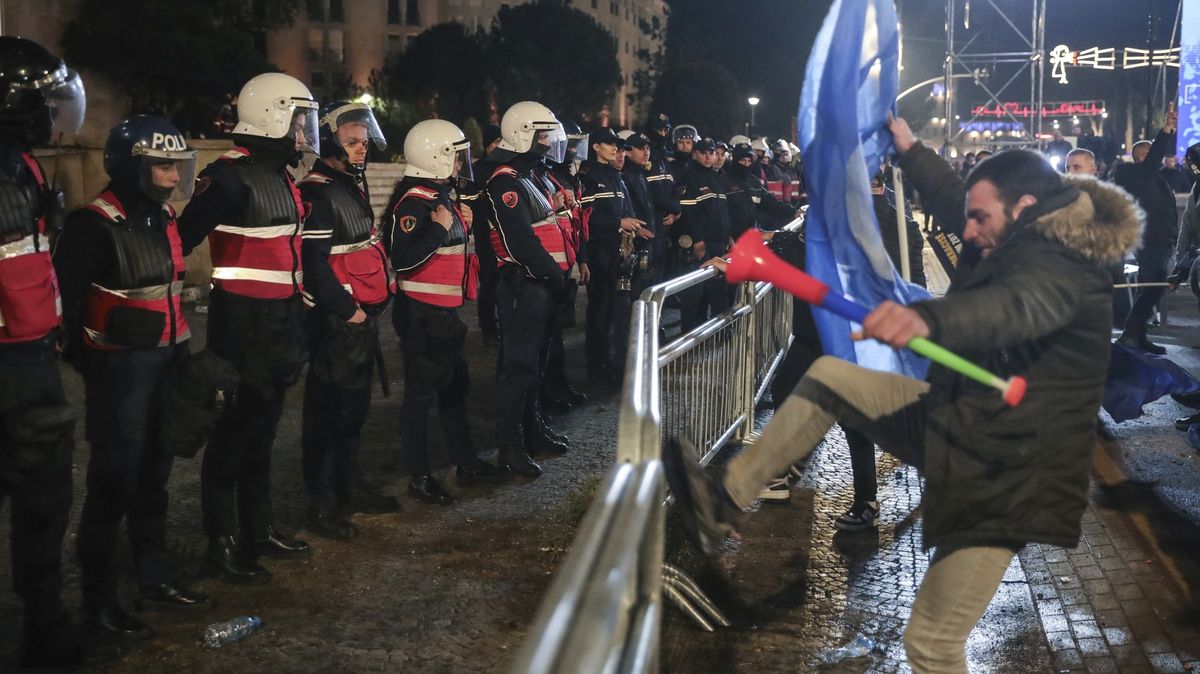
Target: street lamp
(753, 101)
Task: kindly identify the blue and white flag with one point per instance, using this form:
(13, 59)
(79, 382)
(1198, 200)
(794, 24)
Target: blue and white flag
(849, 87)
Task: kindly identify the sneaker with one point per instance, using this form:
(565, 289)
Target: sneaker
(795, 472)
(778, 489)
(707, 512)
(860, 516)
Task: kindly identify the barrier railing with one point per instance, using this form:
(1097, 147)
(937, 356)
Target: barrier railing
(603, 611)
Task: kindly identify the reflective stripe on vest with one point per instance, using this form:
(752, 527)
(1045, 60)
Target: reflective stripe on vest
(30, 306)
(440, 280)
(163, 298)
(775, 187)
(260, 262)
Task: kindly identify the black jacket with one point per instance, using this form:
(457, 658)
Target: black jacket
(324, 290)
(1039, 305)
(513, 218)
(885, 213)
(751, 205)
(604, 204)
(1147, 185)
(705, 212)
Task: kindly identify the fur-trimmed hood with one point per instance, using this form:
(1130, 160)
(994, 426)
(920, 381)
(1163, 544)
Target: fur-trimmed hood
(1102, 223)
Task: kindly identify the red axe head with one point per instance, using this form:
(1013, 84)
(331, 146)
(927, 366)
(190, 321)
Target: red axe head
(751, 260)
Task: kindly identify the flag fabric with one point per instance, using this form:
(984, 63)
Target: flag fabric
(849, 87)
(1136, 378)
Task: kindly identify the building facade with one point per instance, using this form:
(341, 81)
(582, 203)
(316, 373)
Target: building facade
(335, 42)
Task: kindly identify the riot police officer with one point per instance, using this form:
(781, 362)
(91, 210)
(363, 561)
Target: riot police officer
(662, 189)
(35, 421)
(610, 221)
(120, 265)
(425, 231)
(532, 253)
(346, 285)
(249, 208)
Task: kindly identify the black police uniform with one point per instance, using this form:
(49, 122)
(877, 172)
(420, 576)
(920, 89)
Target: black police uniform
(705, 219)
(126, 375)
(35, 455)
(556, 394)
(264, 339)
(750, 204)
(604, 202)
(431, 336)
(531, 285)
(472, 195)
(337, 389)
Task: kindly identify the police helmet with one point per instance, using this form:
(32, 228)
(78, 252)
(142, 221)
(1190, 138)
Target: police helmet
(277, 106)
(140, 143)
(361, 129)
(1192, 159)
(684, 132)
(577, 141)
(437, 149)
(739, 139)
(523, 125)
(42, 94)
(759, 145)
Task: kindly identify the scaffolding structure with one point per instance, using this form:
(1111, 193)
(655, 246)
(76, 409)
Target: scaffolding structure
(966, 58)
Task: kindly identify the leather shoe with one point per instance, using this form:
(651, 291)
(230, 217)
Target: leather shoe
(480, 471)
(518, 461)
(223, 560)
(540, 426)
(171, 597)
(363, 497)
(276, 546)
(327, 522)
(544, 445)
(57, 643)
(425, 488)
(115, 623)
(1186, 422)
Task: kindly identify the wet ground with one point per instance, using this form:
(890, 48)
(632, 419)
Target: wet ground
(453, 589)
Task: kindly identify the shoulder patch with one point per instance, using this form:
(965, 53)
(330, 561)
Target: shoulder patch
(510, 199)
(407, 223)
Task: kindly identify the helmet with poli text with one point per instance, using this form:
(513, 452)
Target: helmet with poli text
(151, 155)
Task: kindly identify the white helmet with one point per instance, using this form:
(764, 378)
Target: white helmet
(624, 135)
(521, 124)
(760, 145)
(431, 149)
(274, 105)
(739, 139)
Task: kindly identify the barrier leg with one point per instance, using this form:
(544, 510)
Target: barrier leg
(679, 581)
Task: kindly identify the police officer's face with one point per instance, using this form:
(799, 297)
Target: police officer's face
(684, 144)
(165, 176)
(618, 161)
(719, 159)
(354, 139)
(639, 155)
(706, 158)
(605, 152)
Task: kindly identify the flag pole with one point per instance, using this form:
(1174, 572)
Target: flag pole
(902, 225)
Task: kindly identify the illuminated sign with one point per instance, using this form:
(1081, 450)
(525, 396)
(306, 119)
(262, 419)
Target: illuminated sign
(1068, 109)
(1189, 78)
(1106, 59)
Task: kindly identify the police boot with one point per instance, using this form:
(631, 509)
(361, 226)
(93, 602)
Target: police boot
(223, 560)
(552, 404)
(54, 642)
(278, 546)
(425, 488)
(326, 520)
(517, 460)
(480, 471)
(172, 597)
(115, 623)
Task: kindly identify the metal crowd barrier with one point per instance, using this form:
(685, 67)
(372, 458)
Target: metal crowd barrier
(603, 611)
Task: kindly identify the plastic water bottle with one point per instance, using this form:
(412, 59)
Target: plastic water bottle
(219, 634)
(857, 648)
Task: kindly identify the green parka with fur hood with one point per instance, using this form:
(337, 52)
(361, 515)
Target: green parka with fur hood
(1039, 305)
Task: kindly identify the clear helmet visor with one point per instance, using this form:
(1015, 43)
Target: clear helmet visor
(355, 128)
(579, 143)
(556, 139)
(66, 100)
(305, 130)
(462, 161)
(684, 132)
(168, 179)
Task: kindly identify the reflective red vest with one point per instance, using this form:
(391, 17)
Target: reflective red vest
(545, 223)
(30, 306)
(356, 256)
(567, 218)
(449, 276)
(163, 297)
(775, 187)
(260, 256)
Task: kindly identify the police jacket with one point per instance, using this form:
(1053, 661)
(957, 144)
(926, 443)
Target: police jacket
(524, 231)
(120, 267)
(641, 197)
(603, 203)
(705, 212)
(473, 194)
(344, 264)
(561, 175)
(29, 300)
(751, 205)
(433, 264)
(250, 210)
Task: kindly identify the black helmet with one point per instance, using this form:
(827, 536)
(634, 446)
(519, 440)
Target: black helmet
(1192, 159)
(40, 93)
(344, 113)
(141, 142)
